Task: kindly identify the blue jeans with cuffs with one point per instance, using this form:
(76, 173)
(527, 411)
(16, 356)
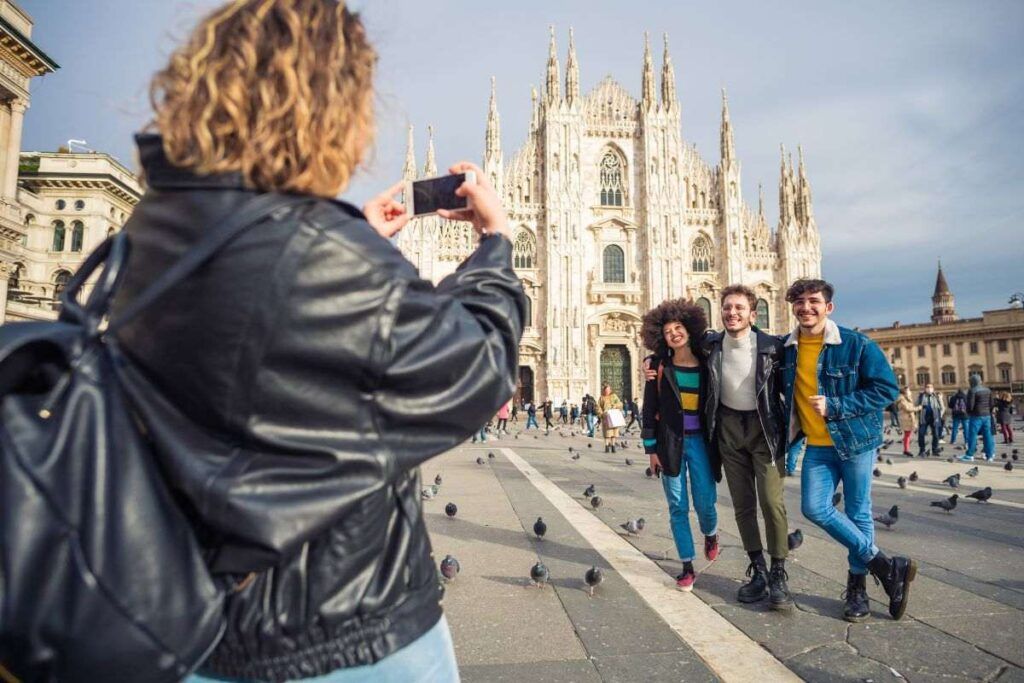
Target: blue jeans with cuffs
(702, 484)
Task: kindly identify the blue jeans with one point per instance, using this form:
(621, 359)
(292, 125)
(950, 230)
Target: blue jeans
(702, 485)
(428, 659)
(922, 436)
(591, 423)
(531, 420)
(958, 424)
(853, 527)
(793, 454)
(980, 424)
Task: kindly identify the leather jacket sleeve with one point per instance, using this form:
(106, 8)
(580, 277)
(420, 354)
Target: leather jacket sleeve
(450, 354)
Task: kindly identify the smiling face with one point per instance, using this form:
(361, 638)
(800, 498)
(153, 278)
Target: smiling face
(811, 311)
(675, 335)
(736, 313)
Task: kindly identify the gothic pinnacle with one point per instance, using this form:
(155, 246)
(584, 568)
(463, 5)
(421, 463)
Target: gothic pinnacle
(409, 169)
(534, 110)
(760, 200)
(430, 167)
(648, 77)
(668, 79)
(572, 73)
(728, 144)
(552, 87)
(492, 147)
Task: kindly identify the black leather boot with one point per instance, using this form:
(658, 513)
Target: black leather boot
(856, 597)
(895, 575)
(757, 588)
(778, 590)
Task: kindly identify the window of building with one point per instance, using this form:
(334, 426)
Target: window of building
(614, 264)
(613, 189)
(60, 282)
(1001, 345)
(976, 370)
(920, 352)
(897, 352)
(948, 375)
(524, 250)
(1005, 370)
(703, 257)
(112, 212)
(923, 377)
(528, 313)
(705, 304)
(761, 319)
(973, 347)
(30, 219)
(60, 204)
(79, 204)
(947, 350)
(58, 236)
(14, 279)
(77, 235)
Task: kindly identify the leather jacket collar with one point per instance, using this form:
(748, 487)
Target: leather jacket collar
(161, 174)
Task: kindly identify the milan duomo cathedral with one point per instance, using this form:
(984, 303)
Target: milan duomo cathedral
(611, 213)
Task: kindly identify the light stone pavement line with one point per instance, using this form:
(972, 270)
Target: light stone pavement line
(940, 492)
(726, 650)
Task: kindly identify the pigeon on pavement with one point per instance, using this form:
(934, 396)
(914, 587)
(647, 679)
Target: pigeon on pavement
(889, 518)
(795, 539)
(595, 502)
(589, 491)
(901, 482)
(628, 462)
(648, 473)
(913, 476)
(953, 480)
(593, 579)
(479, 461)
(449, 568)
(450, 509)
(490, 456)
(575, 456)
(539, 574)
(631, 527)
(948, 504)
(888, 461)
(1008, 467)
(640, 524)
(540, 528)
(973, 472)
(877, 472)
(427, 493)
(981, 495)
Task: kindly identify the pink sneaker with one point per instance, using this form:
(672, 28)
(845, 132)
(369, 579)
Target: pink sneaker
(711, 547)
(684, 581)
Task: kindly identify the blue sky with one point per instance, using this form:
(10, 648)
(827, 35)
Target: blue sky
(910, 113)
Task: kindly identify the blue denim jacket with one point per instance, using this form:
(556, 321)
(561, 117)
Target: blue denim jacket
(858, 383)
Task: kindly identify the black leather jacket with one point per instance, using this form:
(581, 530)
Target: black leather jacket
(318, 371)
(768, 386)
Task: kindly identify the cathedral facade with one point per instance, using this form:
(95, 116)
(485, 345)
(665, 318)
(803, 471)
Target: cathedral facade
(613, 212)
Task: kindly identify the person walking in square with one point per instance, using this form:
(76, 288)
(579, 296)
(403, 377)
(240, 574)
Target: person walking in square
(958, 409)
(908, 411)
(837, 385)
(932, 411)
(674, 427)
(1004, 416)
(609, 401)
(531, 415)
(979, 420)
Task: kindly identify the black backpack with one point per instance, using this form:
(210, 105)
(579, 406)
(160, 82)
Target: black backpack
(101, 574)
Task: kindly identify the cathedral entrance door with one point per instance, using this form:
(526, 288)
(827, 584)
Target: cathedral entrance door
(616, 370)
(524, 387)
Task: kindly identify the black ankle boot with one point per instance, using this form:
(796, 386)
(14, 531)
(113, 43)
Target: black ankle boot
(757, 588)
(856, 597)
(778, 590)
(895, 575)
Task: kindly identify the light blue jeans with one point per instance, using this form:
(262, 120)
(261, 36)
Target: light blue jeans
(428, 659)
(531, 420)
(793, 455)
(980, 425)
(705, 495)
(958, 424)
(853, 527)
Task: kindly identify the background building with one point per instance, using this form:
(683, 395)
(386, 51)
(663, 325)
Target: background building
(613, 212)
(947, 350)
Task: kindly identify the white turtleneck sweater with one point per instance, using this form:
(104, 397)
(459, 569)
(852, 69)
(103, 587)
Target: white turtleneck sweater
(739, 367)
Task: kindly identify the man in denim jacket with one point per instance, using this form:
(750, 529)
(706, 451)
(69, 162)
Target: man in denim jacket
(836, 385)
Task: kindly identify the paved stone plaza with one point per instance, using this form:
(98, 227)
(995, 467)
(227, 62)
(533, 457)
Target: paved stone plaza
(965, 620)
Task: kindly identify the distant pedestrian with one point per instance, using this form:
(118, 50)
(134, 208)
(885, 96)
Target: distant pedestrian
(514, 413)
(531, 415)
(548, 414)
(1004, 412)
(908, 421)
(574, 414)
(563, 411)
(502, 416)
(932, 410)
(979, 420)
(958, 410)
(609, 410)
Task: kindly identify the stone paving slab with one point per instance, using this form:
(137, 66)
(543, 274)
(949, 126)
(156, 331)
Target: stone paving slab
(569, 671)
(650, 666)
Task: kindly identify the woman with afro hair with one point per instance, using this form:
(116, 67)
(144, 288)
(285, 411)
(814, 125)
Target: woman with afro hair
(673, 430)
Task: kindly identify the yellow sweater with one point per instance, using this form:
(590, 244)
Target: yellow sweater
(807, 352)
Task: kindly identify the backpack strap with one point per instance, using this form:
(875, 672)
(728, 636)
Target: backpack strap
(252, 211)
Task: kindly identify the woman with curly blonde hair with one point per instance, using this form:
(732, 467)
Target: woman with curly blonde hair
(309, 368)
(674, 433)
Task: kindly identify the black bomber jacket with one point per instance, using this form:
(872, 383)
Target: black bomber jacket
(317, 372)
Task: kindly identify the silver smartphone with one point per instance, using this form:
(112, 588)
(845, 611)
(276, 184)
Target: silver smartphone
(425, 197)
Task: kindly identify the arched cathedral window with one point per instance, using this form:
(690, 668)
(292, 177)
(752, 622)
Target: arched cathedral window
(77, 235)
(58, 236)
(703, 258)
(524, 250)
(614, 264)
(705, 305)
(528, 312)
(762, 320)
(613, 189)
(60, 282)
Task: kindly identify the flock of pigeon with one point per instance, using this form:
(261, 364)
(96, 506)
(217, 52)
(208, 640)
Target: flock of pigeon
(540, 575)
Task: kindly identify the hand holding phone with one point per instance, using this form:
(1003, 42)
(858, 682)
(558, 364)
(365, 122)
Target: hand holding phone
(484, 209)
(385, 214)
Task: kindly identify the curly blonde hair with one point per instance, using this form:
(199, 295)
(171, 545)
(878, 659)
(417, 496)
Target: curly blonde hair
(277, 90)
